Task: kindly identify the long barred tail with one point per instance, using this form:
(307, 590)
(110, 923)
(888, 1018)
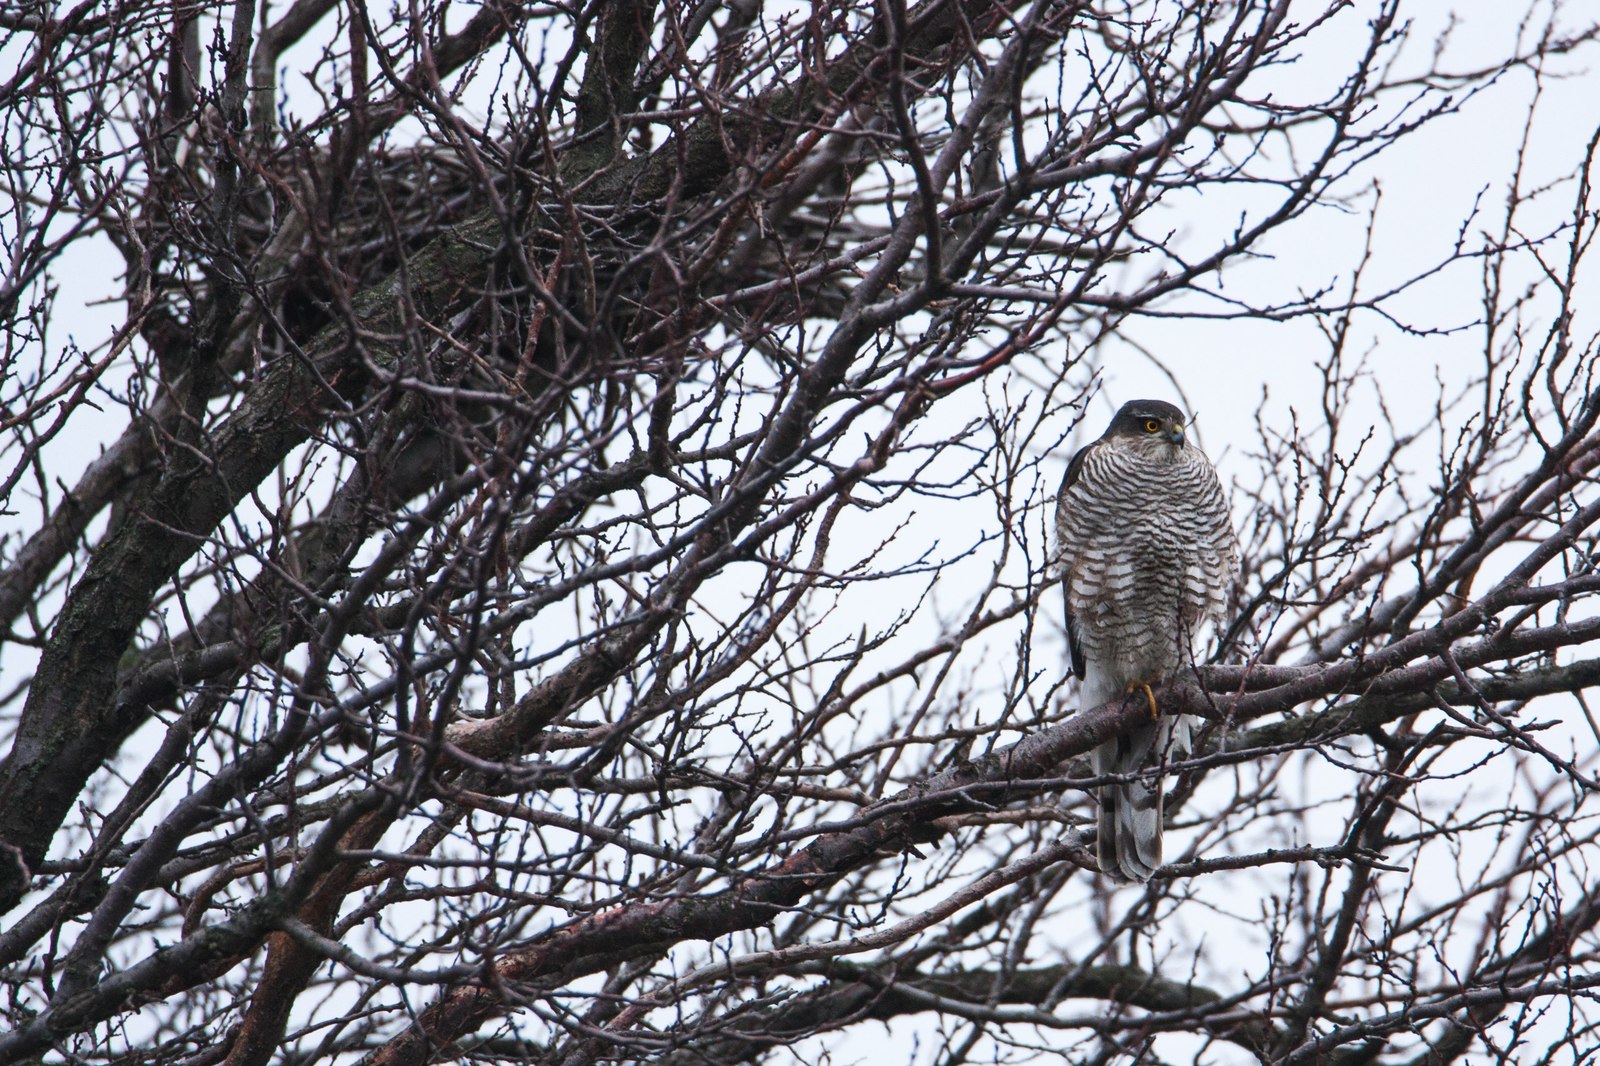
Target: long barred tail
(1128, 845)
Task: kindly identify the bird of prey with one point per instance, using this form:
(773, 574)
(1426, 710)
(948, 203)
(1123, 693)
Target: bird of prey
(1147, 556)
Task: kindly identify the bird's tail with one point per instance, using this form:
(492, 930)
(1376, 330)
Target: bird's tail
(1128, 844)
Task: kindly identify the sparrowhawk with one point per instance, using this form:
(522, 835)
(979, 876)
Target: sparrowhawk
(1147, 557)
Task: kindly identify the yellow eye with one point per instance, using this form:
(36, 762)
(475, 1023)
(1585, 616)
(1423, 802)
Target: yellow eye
(1152, 426)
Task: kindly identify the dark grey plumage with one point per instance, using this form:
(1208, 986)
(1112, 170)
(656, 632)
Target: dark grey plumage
(1147, 554)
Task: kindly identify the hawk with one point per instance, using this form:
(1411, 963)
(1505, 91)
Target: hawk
(1147, 556)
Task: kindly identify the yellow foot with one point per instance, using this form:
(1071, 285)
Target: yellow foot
(1155, 715)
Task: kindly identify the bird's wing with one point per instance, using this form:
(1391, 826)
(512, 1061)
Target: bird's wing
(1073, 643)
(1074, 468)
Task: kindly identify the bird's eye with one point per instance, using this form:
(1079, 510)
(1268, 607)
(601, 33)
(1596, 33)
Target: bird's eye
(1151, 425)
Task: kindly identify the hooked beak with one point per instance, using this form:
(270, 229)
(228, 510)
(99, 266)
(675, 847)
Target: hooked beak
(1175, 432)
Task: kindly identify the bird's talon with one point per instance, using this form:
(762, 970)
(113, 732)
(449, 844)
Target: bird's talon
(1155, 715)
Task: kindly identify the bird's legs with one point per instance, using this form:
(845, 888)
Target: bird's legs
(1133, 686)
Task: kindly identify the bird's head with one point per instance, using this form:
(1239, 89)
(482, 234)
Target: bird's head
(1153, 427)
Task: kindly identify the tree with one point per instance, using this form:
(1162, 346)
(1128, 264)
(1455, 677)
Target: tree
(568, 578)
